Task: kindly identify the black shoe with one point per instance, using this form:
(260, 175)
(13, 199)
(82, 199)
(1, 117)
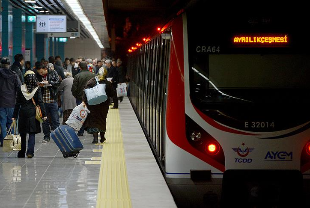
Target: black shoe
(80, 134)
(21, 154)
(95, 141)
(46, 140)
(1, 145)
(102, 140)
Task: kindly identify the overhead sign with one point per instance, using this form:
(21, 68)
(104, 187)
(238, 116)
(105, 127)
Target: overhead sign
(51, 24)
(31, 18)
(64, 35)
(255, 40)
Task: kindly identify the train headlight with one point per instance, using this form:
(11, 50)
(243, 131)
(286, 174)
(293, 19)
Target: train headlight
(308, 148)
(212, 148)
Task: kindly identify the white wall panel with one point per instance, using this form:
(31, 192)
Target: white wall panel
(86, 48)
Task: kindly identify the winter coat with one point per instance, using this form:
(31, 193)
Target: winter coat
(9, 85)
(79, 83)
(60, 70)
(17, 68)
(121, 74)
(98, 113)
(112, 73)
(25, 111)
(53, 79)
(69, 101)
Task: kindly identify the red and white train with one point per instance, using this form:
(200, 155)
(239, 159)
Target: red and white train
(224, 99)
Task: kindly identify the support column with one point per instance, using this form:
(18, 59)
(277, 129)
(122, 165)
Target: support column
(61, 50)
(17, 31)
(40, 43)
(5, 28)
(51, 40)
(29, 39)
(46, 48)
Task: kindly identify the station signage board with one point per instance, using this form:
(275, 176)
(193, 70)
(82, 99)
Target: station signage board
(51, 24)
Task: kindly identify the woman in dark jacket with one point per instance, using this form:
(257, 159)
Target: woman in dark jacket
(96, 120)
(25, 111)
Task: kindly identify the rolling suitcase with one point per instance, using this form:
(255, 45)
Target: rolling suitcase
(67, 141)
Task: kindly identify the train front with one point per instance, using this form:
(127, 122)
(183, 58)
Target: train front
(246, 99)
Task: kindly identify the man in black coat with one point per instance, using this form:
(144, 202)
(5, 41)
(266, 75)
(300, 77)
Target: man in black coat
(9, 85)
(17, 66)
(113, 77)
(60, 70)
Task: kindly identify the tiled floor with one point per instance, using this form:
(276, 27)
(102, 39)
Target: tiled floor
(49, 180)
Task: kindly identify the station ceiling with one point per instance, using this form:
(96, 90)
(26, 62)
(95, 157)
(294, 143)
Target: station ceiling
(132, 19)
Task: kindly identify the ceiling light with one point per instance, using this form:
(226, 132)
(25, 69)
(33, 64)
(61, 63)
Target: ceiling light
(78, 11)
(37, 7)
(30, 1)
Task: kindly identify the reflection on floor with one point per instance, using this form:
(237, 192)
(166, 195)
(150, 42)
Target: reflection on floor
(49, 180)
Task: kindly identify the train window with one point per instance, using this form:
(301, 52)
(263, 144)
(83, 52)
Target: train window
(252, 86)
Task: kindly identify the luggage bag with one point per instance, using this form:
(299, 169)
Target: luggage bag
(67, 141)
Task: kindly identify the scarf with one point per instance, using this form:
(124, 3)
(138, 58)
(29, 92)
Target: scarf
(30, 81)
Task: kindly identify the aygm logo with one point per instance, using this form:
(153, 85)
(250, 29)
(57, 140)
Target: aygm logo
(279, 156)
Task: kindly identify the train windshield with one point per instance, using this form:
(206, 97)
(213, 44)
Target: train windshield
(250, 72)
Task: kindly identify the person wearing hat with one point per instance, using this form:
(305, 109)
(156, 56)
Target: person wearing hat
(9, 85)
(28, 95)
(78, 85)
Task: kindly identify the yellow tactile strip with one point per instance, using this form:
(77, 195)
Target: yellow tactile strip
(113, 189)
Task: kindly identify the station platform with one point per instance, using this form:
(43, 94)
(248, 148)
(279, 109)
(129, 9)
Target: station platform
(122, 172)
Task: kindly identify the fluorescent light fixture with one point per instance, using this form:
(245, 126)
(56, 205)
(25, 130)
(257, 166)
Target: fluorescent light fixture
(42, 11)
(37, 7)
(30, 1)
(78, 11)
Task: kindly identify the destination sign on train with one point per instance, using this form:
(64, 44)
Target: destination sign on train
(253, 40)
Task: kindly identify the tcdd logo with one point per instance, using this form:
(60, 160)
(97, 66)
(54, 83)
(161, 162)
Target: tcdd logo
(279, 156)
(243, 150)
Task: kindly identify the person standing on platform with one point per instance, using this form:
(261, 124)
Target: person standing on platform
(121, 74)
(96, 120)
(60, 70)
(113, 78)
(9, 85)
(17, 66)
(69, 101)
(49, 82)
(28, 95)
(78, 86)
(76, 68)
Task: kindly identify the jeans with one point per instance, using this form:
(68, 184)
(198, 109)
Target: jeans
(6, 115)
(81, 131)
(31, 143)
(52, 121)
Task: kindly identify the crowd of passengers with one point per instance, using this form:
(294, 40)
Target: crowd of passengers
(57, 87)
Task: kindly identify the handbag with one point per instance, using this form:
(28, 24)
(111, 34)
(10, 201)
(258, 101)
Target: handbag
(38, 111)
(121, 90)
(12, 142)
(96, 94)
